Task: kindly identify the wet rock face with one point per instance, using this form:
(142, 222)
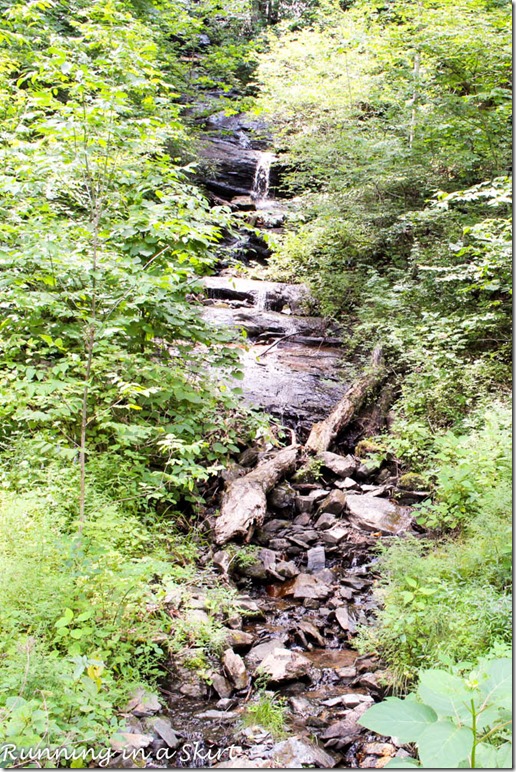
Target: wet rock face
(292, 367)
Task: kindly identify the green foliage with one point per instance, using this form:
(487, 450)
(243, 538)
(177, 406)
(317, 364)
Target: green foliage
(451, 597)
(455, 721)
(268, 711)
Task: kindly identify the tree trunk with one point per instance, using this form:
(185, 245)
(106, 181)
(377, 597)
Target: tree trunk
(244, 502)
(323, 433)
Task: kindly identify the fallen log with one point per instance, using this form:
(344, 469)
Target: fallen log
(323, 433)
(244, 501)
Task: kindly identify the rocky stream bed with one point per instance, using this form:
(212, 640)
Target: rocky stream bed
(305, 573)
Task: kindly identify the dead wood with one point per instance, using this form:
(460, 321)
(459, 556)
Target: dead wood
(323, 433)
(244, 501)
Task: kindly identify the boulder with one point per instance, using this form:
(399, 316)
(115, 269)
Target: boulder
(237, 639)
(236, 669)
(342, 466)
(244, 203)
(334, 504)
(309, 586)
(164, 729)
(262, 650)
(295, 753)
(221, 685)
(334, 535)
(325, 521)
(375, 514)
(316, 559)
(346, 729)
(282, 498)
(284, 665)
(342, 617)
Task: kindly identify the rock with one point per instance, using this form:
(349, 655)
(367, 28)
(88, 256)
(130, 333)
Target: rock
(248, 608)
(262, 650)
(221, 685)
(325, 521)
(280, 545)
(242, 763)
(296, 754)
(309, 586)
(346, 484)
(413, 482)
(164, 729)
(287, 569)
(370, 681)
(282, 498)
(304, 505)
(249, 457)
(217, 715)
(316, 559)
(342, 466)
(342, 617)
(374, 490)
(222, 560)
(349, 700)
(379, 749)
(301, 706)
(346, 672)
(334, 503)
(143, 703)
(236, 669)
(374, 514)
(233, 472)
(244, 203)
(129, 741)
(334, 535)
(284, 665)
(261, 567)
(226, 704)
(237, 639)
(275, 525)
(301, 520)
(311, 630)
(343, 730)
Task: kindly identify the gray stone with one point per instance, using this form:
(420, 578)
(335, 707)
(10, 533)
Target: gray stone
(262, 650)
(374, 514)
(334, 535)
(301, 706)
(342, 466)
(344, 620)
(282, 498)
(130, 741)
(346, 484)
(343, 730)
(309, 586)
(325, 521)
(287, 569)
(304, 505)
(334, 503)
(311, 630)
(164, 729)
(295, 753)
(143, 703)
(221, 685)
(237, 639)
(316, 559)
(217, 715)
(236, 669)
(284, 665)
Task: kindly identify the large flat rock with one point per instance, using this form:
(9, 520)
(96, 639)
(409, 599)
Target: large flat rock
(375, 514)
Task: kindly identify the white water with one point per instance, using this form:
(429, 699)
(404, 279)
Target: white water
(262, 176)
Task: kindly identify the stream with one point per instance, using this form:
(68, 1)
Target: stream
(305, 581)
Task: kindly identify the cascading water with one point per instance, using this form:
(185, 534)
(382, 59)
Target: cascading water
(262, 177)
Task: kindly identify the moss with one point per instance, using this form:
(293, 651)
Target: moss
(368, 447)
(413, 482)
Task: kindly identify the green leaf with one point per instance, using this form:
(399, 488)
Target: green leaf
(65, 619)
(504, 756)
(402, 763)
(498, 685)
(444, 744)
(403, 719)
(445, 693)
(485, 756)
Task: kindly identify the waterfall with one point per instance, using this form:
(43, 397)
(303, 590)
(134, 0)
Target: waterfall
(261, 299)
(262, 175)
